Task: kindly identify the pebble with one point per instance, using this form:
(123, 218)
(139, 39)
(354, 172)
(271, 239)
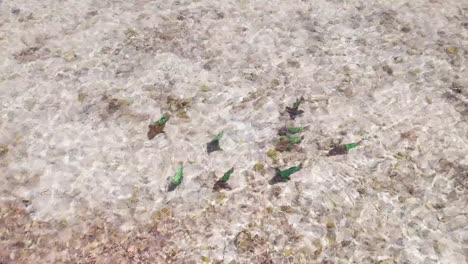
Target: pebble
(69, 56)
(387, 69)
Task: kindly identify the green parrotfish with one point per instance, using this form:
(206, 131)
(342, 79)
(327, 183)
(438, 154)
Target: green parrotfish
(157, 127)
(177, 179)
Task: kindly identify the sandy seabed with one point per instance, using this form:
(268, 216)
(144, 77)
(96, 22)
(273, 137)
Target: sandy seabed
(81, 80)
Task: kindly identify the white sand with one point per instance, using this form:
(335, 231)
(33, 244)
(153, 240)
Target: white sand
(80, 182)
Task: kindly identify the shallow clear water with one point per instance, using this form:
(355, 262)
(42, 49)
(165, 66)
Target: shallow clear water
(77, 168)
